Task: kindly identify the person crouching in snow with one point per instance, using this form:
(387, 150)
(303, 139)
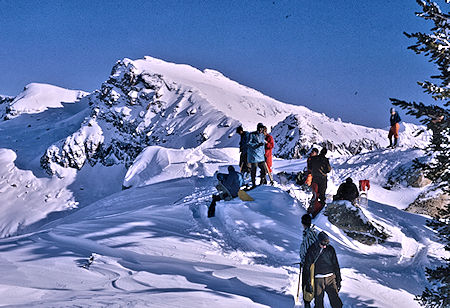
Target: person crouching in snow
(228, 188)
(269, 144)
(327, 273)
(395, 127)
(347, 191)
(309, 238)
(255, 154)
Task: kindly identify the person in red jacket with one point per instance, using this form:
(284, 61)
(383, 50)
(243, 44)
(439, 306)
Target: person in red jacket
(269, 144)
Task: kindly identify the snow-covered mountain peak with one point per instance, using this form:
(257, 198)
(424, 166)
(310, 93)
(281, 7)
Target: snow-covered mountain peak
(150, 102)
(38, 97)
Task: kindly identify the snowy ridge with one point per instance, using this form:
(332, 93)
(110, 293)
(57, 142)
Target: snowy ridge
(38, 97)
(150, 102)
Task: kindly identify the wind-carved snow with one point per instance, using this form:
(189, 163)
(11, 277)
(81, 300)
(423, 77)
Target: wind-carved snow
(26, 200)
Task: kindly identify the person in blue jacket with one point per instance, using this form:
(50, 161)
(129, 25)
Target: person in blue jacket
(256, 152)
(228, 187)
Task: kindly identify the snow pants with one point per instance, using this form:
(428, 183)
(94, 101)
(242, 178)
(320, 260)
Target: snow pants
(269, 161)
(394, 131)
(243, 163)
(262, 167)
(328, 285)
(321, 188)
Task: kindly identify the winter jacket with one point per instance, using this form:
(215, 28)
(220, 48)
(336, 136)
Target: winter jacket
(232, 181)
(326, 262)
(243, 142)
(395, 118)
(268, 147)
(309, 238)
(320, 166)
(347, 191)
(255, 150)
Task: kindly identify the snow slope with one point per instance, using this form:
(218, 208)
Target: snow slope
(38, 97)
(162, 130)
(154, 246)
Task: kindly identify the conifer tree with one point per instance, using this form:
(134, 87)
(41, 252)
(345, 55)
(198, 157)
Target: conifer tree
(436, 117)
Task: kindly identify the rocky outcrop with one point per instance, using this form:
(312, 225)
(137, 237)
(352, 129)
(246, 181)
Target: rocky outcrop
(134, 109)
(295, 136)
(429, 203)
(76, 149)
(4, 106)
(407, 175)
(354, 223)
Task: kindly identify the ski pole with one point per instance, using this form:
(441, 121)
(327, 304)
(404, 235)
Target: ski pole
(299, 279)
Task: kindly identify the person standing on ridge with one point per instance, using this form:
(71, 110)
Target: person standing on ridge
(327, 273)
(255, 154)
(320, 166)
(309, 238)
(243, 163)
(268, 155)
(314, 152)
(395, 127)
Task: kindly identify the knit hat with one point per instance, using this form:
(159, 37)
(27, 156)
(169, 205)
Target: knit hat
(392, 109)
(306, 220)
(259, 126)
(323, 238)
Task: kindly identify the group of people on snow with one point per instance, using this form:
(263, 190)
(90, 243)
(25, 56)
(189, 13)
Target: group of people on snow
(256, 152)
(318, 260)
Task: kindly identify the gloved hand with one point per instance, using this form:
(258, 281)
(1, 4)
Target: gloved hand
(308, 288)
(260, 144)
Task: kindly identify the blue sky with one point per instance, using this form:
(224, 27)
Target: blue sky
(342, 58)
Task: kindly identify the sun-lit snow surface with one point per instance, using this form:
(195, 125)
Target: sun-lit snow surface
(38, 97)
(153, 245)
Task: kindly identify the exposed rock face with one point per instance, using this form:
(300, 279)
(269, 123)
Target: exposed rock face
(429, 203)
(294, 137)
(135, 109)
(4, 106)
(354, 223)
(406, 175)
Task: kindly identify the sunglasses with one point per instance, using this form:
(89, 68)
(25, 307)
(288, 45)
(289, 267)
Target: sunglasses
(324, 243)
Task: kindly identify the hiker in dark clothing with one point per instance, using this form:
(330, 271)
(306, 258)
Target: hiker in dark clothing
(243, 163)
(327, 274)
(256, 152)
(314, 152)
(320, 166)
(309, 238)
(347, 191)
(228, 187)
(395, 127)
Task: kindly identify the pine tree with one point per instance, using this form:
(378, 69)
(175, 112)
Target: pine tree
(436, 117)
